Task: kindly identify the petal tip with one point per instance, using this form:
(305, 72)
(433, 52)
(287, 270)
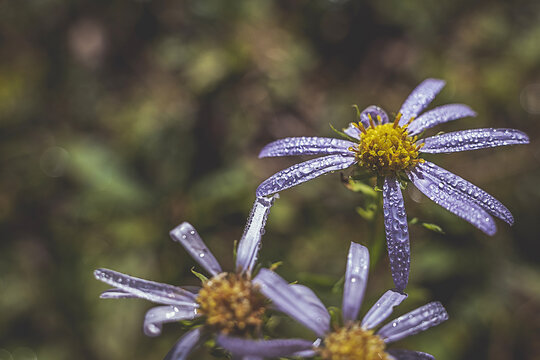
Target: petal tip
(181, 229)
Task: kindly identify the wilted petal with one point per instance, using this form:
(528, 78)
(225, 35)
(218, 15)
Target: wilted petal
(356, 276)
(375, 112)
(397, 232)
(473, 139)
(157, 316)
(303, 172)
(145, 289)
(116, 294)
(352, 131)
(316, 307)
(306, 146)
(186, 235)
(420, 98)
(437, 185)
(400, 354)
(382, 309)
(185, 345)
(413, 322)
(438, 116)
(265, 348)
(291, 301)
(249, 244)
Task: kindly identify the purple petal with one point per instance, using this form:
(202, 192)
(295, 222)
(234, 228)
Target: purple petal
(382, 308)
(397, 232)
(356, 276)
(413, 322)
(265, 348)
(459, 196)
(400, 354)
(375, 113)
(116, 294)
(144, 289)
(352, 131)
(292, 302)
(303, 172)
(438, 116)
(250, 357)
(186, 235)
(157, 316)
(419, 99)
(250, 243)
(474, 139)
(185, 345)
(316, 307)
(306, 146)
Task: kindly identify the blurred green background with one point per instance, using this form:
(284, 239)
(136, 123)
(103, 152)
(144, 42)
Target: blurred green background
(121, 119)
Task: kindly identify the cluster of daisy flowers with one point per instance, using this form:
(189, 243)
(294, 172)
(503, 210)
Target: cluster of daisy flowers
(232, 307)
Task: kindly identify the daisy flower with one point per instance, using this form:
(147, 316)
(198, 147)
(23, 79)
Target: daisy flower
(228, 302)
(391, 150)
(352, 339)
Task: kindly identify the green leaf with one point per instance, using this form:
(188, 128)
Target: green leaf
(199, 275)
(358, 112)
(358, 186)
(275, 265)
(433, 227)
(342, 134)
(335, 316)
(338, 286)
(368, 213)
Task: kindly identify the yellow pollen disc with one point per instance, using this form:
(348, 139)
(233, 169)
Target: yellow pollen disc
(353, 343)
(231, 304)
(387, 149)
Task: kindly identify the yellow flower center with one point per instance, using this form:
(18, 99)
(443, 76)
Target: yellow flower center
(353, 343)
(231, 304)
(386, 148)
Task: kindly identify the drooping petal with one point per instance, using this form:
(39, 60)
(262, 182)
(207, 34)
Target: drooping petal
(186, 235)
(438, 116)
(413, 322)
(316, 307)
(382, 309)
(452, 198)
(303, 172)
(186, 345)
(145, 289)
(375, 112)
(116, 294)
(292, 302)
(352, 131)
(266, 348)
(157, 316)
(419, 99)
(356, 276)
(473, 139)
(306, 146)
(472, 192)
(401, 354)
(397, 232)
(250, 243)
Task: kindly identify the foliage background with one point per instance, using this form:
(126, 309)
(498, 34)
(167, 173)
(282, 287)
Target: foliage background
(121, 119)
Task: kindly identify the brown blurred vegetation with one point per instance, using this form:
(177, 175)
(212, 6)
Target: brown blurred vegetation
(121, 119)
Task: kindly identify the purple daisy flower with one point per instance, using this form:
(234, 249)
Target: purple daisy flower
(229, 303)
(392, 149)
(354, 339)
